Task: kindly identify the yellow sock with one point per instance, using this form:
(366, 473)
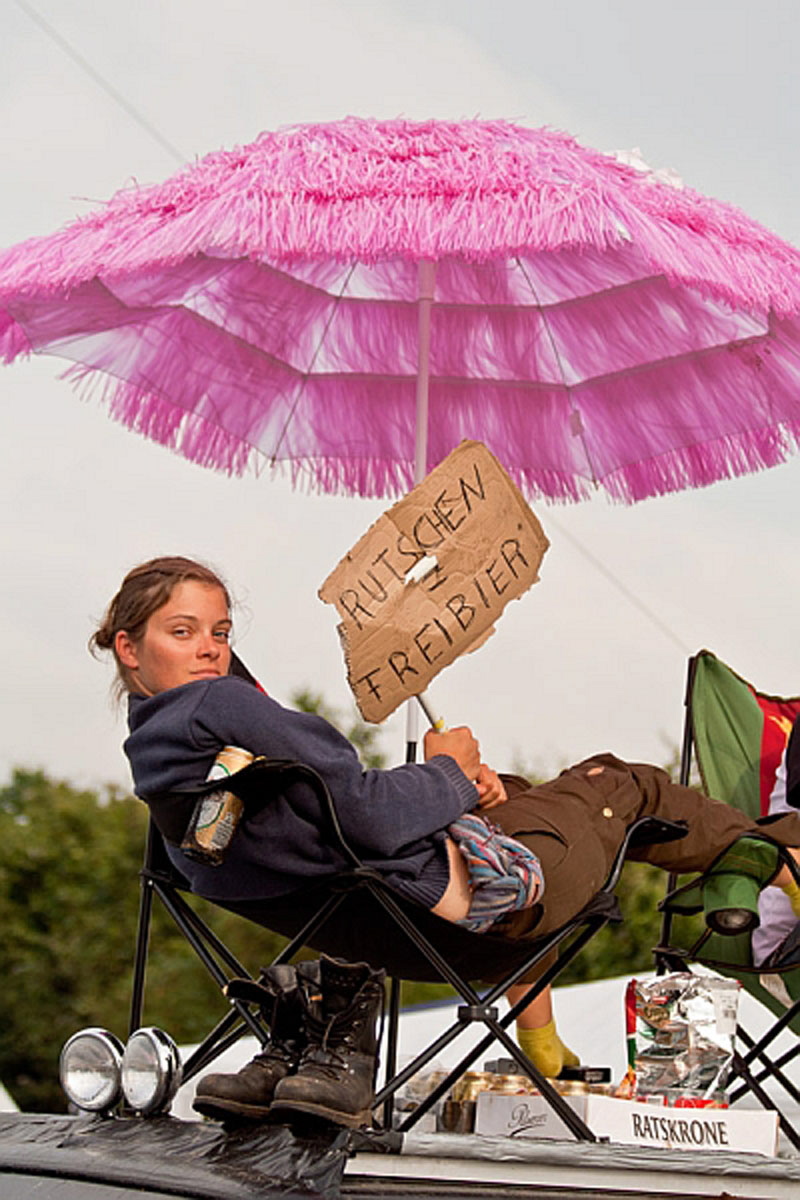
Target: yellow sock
(792, 890)
(546, 1050)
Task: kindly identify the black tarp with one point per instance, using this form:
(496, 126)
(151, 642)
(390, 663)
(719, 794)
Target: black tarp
(164, 1156)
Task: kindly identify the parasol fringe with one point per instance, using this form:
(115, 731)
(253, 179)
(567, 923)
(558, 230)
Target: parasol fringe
(700, 466)
(198, 440)
(194, 437)
(233, 404)
(13, 340)
(473, 189)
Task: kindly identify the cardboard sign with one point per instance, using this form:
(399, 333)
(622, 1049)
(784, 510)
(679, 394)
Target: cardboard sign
(428, 580)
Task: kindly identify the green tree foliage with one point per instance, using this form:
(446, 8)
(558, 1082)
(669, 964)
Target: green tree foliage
(627, 948)
(67, 889)
(68, 910)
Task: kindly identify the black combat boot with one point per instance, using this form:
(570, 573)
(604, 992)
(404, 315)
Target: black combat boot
(248, 1093)
(335, 1078)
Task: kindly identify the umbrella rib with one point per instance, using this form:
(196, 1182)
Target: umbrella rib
(701, 352)
(597, 293)
(549, 385)
(576, 423)
(457, 305)
(189, 414)
(305, 374)
(200, 318)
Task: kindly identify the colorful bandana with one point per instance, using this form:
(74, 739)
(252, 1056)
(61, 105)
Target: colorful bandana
(503, 874)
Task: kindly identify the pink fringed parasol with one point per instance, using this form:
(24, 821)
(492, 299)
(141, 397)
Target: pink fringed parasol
(304, 299)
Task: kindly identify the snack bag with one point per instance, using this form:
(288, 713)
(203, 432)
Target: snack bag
(680, 1031)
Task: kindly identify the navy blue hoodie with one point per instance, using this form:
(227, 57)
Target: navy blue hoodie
(394, 819)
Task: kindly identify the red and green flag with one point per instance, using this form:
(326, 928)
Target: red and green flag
(739, 734)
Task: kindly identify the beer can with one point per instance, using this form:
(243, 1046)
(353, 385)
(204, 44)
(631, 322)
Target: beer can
(216, 815)
(570, 1087)
(471, 1084)
(456, 1116)
(511, 1085)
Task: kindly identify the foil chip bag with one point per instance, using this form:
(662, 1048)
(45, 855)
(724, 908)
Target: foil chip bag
(680, 1032)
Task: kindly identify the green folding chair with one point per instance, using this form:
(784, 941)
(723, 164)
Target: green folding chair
(736, 737)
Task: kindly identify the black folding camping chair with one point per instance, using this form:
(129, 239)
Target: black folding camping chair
(355, 915)
(737, 736)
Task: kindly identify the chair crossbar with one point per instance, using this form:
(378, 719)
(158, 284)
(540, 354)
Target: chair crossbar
(206, 945)
(497, 1032)
(310, 929)
(770, 1067)
(222, 1037)
(424, 944)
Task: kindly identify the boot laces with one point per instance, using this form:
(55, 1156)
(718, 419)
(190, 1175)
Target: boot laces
(328, 1047)
(274, 1052)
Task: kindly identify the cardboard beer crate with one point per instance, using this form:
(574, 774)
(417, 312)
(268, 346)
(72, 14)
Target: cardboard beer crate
(631, 1122)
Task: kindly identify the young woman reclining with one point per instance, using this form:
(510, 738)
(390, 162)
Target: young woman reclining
(169, 629)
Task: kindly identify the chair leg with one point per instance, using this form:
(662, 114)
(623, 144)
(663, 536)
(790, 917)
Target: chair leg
(773, 1069)
(393, 1026)
(140, 957)
(210, 950)
(485, 1012)
(756, 1050)
(225, 1034)
(743, 1070)
(206, 944)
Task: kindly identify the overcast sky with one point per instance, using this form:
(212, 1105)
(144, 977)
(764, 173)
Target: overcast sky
(594, 657)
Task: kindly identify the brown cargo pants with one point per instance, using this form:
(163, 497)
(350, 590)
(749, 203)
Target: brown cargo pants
(575, 824)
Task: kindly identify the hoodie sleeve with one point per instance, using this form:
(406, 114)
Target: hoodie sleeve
(380, 810)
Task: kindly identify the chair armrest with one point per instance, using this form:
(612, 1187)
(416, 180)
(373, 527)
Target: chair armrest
(250, 782)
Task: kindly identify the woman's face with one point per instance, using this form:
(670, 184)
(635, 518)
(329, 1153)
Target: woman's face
(184, 640)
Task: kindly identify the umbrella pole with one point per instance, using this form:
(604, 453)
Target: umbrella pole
(426, 274)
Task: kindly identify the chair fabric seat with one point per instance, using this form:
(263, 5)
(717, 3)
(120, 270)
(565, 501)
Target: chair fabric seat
(361, 929)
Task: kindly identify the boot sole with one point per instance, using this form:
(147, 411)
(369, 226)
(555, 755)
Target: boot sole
(224, 1108)
(307, 1108)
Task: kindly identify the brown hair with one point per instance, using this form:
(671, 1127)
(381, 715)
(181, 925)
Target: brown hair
(144, 590)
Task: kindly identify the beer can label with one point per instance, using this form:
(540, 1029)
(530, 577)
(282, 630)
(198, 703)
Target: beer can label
(217, 819)
(216, 816)
(229, 760)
